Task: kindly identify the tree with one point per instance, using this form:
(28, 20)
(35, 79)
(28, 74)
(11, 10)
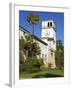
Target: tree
(59, 54)
(28, 48)
(33, 19)
(33, 47)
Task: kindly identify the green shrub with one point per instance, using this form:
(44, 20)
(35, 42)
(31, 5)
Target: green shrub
(21, 68)
(21, 58)
(32, 65)
(36, 62)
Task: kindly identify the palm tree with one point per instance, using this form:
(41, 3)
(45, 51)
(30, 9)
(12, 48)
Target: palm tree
(33, 19)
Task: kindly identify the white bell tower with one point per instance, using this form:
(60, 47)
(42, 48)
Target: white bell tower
(48, 35)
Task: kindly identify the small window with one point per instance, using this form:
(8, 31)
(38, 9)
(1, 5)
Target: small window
(48, 24)
(45, 57)
(24, 32)
(51, 54)
(54, 42)
(51, 24)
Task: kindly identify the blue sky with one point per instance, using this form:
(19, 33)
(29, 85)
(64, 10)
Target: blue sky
(56, 16)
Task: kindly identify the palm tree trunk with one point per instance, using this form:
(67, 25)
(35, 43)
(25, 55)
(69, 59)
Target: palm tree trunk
(32, 34)
(33, 29)
(27, 54)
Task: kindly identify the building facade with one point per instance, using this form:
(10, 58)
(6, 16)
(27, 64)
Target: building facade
(43, 46)
(47, 42)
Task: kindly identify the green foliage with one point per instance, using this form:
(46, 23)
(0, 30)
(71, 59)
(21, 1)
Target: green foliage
(32, 65)
(33, 18)
(35, 49)
(21, 58)
(21, 44)
(29, 38)
(21, 68)
(59, 54)
(29, 48)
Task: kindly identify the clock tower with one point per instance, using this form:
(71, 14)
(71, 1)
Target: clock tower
(48, 35)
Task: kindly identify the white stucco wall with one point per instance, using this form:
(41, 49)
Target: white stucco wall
(43, 47)
(52, 45)
(49, 32)
(20, 34)
(44, 52)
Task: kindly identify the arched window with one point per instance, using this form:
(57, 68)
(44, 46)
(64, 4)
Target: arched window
(48, 24)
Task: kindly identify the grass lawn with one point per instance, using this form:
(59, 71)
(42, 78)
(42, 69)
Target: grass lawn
(43, 74)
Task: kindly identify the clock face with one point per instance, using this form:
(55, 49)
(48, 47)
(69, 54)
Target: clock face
(47, 33)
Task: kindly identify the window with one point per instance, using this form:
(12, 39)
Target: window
(54, 42)
(48, 32)
(45, 57)
(50, 24)
(24, 32)
(51, 54)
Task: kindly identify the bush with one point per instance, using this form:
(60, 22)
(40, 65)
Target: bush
(36, 62)
(32, 65)
(21, 58)
(21, 68)
(59, 54)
